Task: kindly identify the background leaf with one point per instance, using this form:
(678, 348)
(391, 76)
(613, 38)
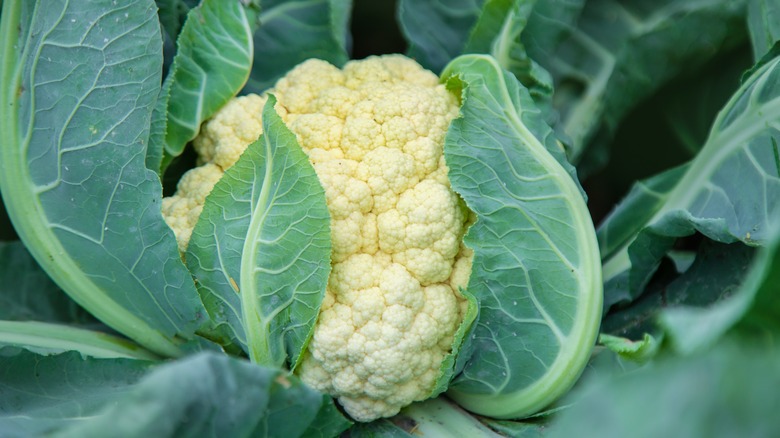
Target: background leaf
(620, 52)
(75, 181)
(42, 394)
(716, 274)
(437, 30)
(261, 249)
(751, 308)
(535, 271)
(729, 391)
(27, 293)
(728, 193)
(292, 31)
(206, 395)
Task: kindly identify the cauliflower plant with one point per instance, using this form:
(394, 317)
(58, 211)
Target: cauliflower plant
(374, 133)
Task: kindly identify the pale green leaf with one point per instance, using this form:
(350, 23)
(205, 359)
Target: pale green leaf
(536, 273)
(763, 20)
(47, 338)
(261, 249)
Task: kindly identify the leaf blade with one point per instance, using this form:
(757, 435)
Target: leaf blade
(75, 183)
(540, 200)
(261, 248)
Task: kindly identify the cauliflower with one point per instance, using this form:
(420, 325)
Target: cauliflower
(374, 133)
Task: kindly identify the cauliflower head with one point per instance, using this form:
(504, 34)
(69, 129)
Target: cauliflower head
(374, 133)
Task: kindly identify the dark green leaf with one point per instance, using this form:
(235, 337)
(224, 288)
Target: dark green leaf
(437, 30)
(261, 248)
(752, 307)
(292, 31)
(716, 274)
(27, 293)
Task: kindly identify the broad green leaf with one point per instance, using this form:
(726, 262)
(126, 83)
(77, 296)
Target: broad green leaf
(620, 52)
(751, 307)
(727, 392)
(292, 31)
(27, 293)
(46, 338)
(763, 19)
(261, 249)
(536, 273)
(728, 193)
(213, 59)
(44, 394)
(210, 395)
(77, 98)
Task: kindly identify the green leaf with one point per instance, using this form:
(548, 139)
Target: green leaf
(27, 293)
(44, 394)
(535, 273)
(763, 19)
(292, 31)
(46, 338)
(728, 193)
(212, 63)
(77, 96)
(729, 391)
(261, 249)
